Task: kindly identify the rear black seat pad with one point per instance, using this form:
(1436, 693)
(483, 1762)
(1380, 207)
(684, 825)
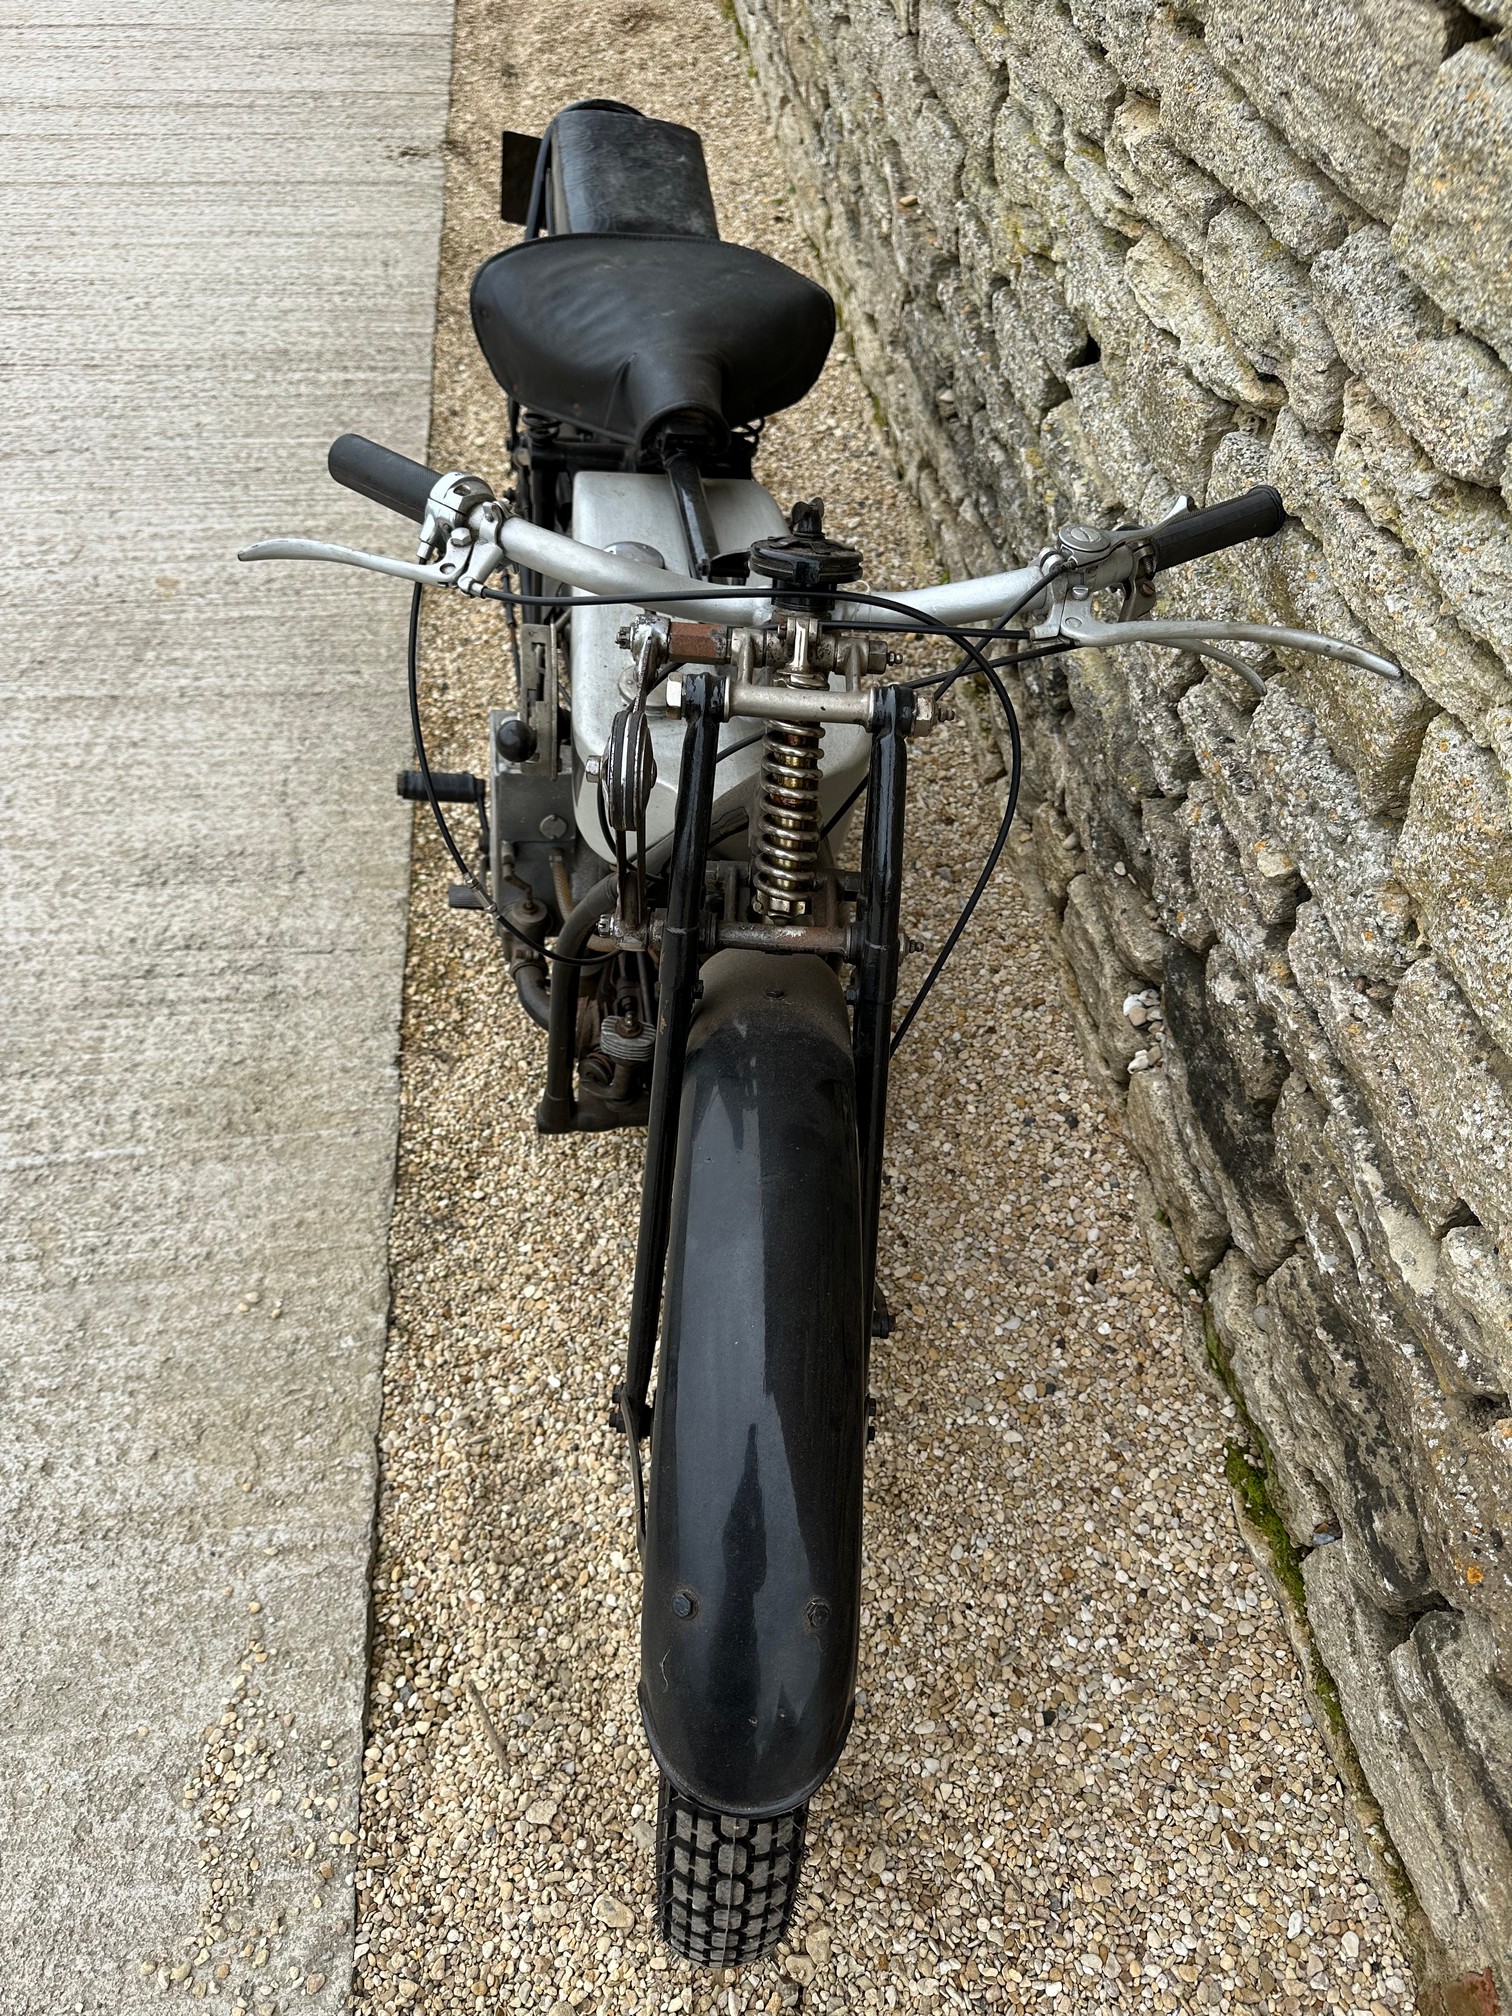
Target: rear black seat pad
(618, 333)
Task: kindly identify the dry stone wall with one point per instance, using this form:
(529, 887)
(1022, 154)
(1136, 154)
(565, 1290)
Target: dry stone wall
(1095, 253)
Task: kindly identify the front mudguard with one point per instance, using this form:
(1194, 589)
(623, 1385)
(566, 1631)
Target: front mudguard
(753, 1536)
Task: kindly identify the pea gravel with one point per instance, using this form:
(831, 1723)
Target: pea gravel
(1082, 1774)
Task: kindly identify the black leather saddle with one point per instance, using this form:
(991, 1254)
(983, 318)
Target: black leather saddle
(624, 334)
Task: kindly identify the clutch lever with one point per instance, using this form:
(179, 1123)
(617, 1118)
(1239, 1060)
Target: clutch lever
(472, 553)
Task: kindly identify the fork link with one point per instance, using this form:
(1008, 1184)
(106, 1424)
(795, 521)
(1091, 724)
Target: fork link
(786, 855)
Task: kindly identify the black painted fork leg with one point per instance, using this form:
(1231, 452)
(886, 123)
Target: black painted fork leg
(877, 965)
(674, 1017)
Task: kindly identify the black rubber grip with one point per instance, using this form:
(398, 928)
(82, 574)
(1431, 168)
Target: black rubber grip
(1255, 515)
(388, 479)
(453, 787)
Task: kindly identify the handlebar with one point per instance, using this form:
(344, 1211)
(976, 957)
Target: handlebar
(464, 525)
(382, 475)
(1194, 534)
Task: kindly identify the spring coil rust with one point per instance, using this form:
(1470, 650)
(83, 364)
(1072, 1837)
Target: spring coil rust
(785, 857)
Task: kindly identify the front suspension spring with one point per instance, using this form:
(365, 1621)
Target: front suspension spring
(786, 854)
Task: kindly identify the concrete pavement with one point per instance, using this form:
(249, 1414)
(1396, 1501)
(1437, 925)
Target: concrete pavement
(219, 250)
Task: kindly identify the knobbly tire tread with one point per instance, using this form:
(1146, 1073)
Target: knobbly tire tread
(725, 1885)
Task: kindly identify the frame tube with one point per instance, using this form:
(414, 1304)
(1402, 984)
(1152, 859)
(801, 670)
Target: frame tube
(674, 1019)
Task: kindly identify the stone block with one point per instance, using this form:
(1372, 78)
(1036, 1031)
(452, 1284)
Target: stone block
(1101, 188)
(976, 259)
(1176, 421)
(1020, 359)
(1036, 200)
(1356, 1018)
(1007, 498)
(1221, 741)
(1374, 726)
(1229, 1136)
(1103, 981)
(1121, 28)
(1388, 589)
(1451, 236)
(1106, 819)
(1177, 905)
(1199, 1226)
(936, 154)
(1326, 1414)
(1041, 110)
(984, 23)
(1475, 1280)
(1172, 295)
(1395, 1257)
(1344, 80)
(1356, 1641)
(1451, 392)
(1057, 853)
(1091, 269)
(1104, 729)
(1236, 1303)
(1209, 118)
(1447, 1679)
(1071, 492)
(1245, 1029)
(1449, 1487)
(969, 85)
(1166, 187)
(1460, 531)
(1059, 333)
(1345, 857)
(1456, 858)
(1462, 1086)
(1118, 463)
(1161, 1244)
(1156, 680)
(1064, 65)
(1226, 892)
(1264, 295)
(1463, 1468)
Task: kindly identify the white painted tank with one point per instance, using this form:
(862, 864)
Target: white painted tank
(605, 509)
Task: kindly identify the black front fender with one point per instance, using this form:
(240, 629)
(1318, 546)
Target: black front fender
(753, 1538)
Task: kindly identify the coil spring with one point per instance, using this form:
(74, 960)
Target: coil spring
(786, 855)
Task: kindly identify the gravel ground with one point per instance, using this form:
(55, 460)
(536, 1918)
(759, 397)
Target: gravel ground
(1081, 1772)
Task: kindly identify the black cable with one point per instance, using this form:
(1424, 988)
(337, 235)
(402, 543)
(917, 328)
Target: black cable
(969, 906)
(448, 840)
(916, 623)
(830, 824)
(945, 680)
(989, 671)
(736, 747)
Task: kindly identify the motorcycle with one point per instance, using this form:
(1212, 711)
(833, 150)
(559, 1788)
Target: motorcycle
(704, 697)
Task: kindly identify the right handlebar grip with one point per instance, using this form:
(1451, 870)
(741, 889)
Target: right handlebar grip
(382, 475)
(1255, 515)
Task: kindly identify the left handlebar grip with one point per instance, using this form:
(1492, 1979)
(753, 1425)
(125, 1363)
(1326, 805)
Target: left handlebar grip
(382, 475)
(1257, 514)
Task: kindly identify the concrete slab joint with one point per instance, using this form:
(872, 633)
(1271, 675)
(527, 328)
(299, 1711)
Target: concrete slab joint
(1282, 232)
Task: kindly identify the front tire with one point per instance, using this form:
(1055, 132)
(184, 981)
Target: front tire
(725, 1885)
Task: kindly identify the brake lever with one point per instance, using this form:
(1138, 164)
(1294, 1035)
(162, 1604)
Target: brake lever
(472, 554)
(1113, 560)
(1080, 626)
(347, 556)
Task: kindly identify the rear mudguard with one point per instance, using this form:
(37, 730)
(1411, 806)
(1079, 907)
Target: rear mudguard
(753, 1535)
